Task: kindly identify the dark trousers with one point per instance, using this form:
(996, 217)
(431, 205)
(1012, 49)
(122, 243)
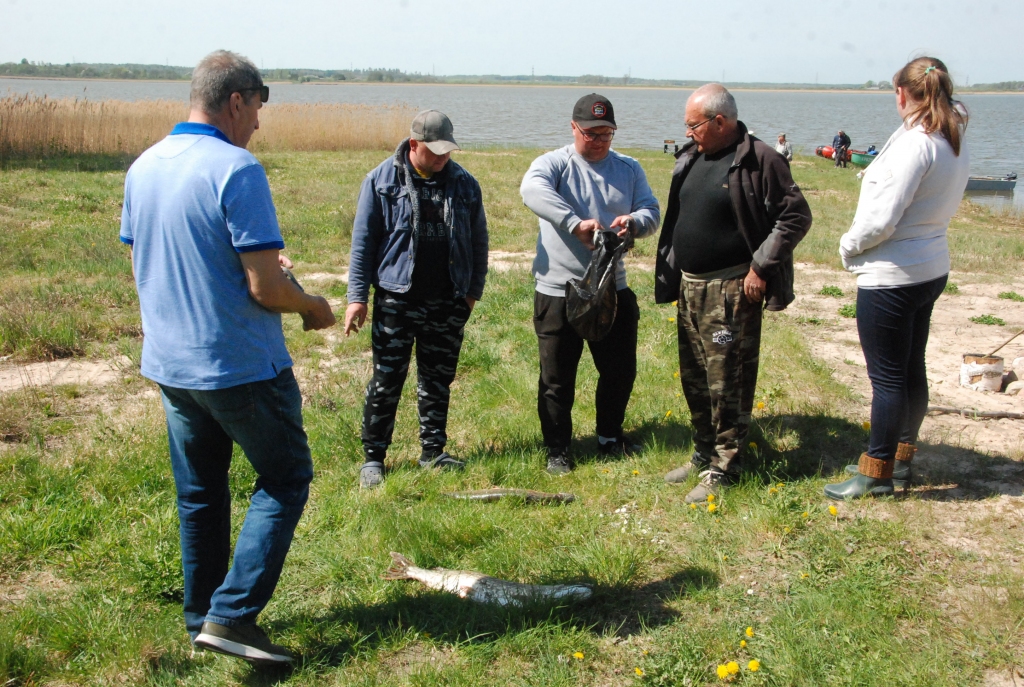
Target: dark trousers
(719, 354)
(560, 351)
(436, 327)
(265, 420)
(893, 327)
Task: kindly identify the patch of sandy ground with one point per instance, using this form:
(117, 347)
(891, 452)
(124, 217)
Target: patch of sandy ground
(835, 341)
(14, 376)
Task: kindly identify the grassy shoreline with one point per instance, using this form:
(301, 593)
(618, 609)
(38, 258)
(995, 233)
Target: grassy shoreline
(90, 581)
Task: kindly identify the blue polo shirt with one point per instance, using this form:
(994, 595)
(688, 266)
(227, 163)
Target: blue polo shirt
(192, 203)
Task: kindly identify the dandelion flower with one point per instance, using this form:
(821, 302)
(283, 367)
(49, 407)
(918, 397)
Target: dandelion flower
(754, 666)
(749, 632)
(693, 506)
(866, 425)
(578, 655)
(645, 652)
(732, 667)
(832, 510)
(743, 644)
(668, 414)
(671, 319)
(760, 405)
(805, 514)
(773, 490)
(676, 374)
(712, 508)
(752, 446)
(723, 672)
(804, 576)
(636, 472)
(639, 671)
(781, 484)
(725, 558)
(711, 497)
(786, 530)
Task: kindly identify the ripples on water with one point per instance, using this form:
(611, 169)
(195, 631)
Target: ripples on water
(539, 117)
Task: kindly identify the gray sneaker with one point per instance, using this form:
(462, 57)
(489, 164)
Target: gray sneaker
(442, 461)
(681, 474)
(247, 642)
(371, 474)
(711, 482)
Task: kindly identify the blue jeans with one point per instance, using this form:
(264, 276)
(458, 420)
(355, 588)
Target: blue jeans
(893, 327)
(265, 420)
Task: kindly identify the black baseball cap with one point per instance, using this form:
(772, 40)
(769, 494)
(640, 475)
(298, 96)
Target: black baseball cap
(593, 110)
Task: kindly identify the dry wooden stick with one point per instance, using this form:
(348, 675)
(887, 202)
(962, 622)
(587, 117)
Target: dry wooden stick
(1006, 342)
(975, 414)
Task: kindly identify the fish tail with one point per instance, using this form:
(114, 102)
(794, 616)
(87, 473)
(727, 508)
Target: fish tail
(399, 567)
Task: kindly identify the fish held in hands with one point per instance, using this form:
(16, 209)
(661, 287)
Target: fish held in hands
(498, 493)
(481, 588)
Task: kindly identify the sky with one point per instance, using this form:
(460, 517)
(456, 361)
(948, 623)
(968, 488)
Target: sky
(808, 41)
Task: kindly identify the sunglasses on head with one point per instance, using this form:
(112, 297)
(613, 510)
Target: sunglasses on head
(264, 92)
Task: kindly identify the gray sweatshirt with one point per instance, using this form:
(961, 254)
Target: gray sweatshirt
(563, 189)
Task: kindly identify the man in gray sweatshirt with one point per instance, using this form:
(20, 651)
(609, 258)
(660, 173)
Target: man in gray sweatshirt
(576, 191)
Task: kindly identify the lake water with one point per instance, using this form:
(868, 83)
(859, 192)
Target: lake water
(539, 117)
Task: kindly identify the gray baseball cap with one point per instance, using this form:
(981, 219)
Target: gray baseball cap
(436, 130)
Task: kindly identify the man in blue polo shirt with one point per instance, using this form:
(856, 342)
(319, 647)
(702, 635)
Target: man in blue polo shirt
(205, 253)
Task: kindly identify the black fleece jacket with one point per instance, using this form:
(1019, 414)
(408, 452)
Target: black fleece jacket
(772, 215)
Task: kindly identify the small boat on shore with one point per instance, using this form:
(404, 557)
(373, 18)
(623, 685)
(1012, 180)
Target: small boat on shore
(862, 157)
(1007, 182)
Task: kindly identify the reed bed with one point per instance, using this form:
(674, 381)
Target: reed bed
(32, 126)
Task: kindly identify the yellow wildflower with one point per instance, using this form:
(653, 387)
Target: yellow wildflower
(773, 490)
(636, 472)
(676, 374)
(752, 446)
(804, 576)
(722, 671)
(749, 632)
(671, 319)
(832, 510)
(606, 471)
(805, 514)
(732, 667)
(725, 558)
(578, 655)
(786, 530)
(693, 506)
(645, 652)
(668, 414)
(754, 666)
(674, 302)
(639, 671)
(711, 497)
(760, 405)
(743, 644)
(712, 508)
(866, 425)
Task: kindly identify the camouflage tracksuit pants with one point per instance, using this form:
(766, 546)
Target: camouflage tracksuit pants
(719, 348)
(436, 327)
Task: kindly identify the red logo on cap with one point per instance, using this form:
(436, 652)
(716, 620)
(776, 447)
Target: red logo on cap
(598, 110)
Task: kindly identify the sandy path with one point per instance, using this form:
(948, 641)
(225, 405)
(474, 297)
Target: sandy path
(14, 376)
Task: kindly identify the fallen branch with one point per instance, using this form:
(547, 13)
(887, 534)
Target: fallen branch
(975, 414)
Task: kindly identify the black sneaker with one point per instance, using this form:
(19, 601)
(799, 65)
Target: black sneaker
(559, 463)
(441, 461)
(622, 446)
(247, 642)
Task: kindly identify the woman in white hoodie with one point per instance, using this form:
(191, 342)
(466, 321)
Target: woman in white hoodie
(897, 248)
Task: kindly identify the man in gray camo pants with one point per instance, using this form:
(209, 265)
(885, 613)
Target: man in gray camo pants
(725, 254)
(420, 239)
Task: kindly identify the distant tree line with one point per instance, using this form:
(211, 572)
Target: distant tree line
(383, 75)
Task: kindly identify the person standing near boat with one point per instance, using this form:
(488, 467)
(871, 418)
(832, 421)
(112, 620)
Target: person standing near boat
(897, 248)
(733, 219)
(784, 148)
(841, 145)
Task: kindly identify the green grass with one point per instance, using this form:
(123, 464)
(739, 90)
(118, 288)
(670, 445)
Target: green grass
(951, 289)
(848, 310)
(90, 580)
(1012, 296)
(988, 319)
(829, 290)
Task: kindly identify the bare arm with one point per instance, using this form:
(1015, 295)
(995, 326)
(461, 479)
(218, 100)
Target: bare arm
(271, 288)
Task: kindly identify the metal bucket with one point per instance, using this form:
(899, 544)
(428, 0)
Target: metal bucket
(981, 372)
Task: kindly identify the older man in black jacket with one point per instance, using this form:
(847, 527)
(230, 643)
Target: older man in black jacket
(734, 217)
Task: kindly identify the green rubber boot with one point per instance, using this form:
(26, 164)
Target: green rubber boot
(874, 478)
(901, 475)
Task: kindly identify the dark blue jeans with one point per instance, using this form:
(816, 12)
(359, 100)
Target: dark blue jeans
(893, 326)
(265, 420)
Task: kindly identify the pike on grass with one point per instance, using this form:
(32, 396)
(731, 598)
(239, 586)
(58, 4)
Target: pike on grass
(475, 586)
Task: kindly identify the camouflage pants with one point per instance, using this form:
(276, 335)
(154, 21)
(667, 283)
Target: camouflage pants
(719, 349)
(436, 327)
